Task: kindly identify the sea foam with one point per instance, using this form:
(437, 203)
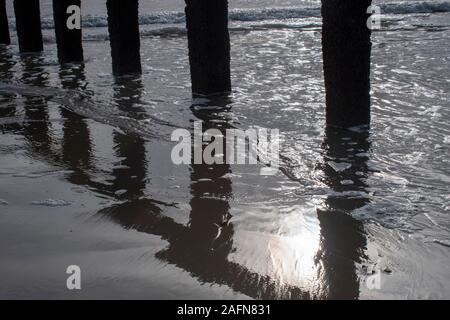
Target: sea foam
(260, 14)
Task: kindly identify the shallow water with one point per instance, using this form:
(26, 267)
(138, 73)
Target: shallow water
(86, 176)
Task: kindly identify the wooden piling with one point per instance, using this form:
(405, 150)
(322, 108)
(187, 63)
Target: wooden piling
(68, 36)
(28, 25)
(209, 46)
(123, 26)
(346, 56)
(4, 27)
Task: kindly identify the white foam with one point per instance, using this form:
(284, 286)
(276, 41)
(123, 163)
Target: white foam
(261, 14)
(51, 203)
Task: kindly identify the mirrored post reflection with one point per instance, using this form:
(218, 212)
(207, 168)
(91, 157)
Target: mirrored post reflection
(6, 64)
(343, 239)
(37, 123)
(7, 105)
(76, 144)
(202, 246)
(208, 237)
(129, 176)
(206, 243)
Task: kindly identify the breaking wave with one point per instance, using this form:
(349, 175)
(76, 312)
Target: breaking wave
(94, 21)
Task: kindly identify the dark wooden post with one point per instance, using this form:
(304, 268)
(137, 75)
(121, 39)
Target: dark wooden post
(68, 36)
(209, 45)
(28, 25)
(346, 57)
(4, 27)
(123, 25)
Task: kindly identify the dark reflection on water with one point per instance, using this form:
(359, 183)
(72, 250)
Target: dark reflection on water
(209, 235)
(203, 246)
(7, 109)
(342, 237)
(6, 65)
(130, 175)
(76, 144)
(36, 128)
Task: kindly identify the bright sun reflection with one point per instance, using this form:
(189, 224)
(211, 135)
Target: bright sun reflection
(287, 256)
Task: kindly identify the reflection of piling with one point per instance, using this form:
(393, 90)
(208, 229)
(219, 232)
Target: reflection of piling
(36, 127)
(129, 178)
(343, 238)
(209, 45)
(9, 108)
(4, 28)
(68, 35)
(28, 25)
(76, 142)
(346, 54)
(123, 24)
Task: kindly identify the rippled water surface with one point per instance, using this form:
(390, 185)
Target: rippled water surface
(86, 176)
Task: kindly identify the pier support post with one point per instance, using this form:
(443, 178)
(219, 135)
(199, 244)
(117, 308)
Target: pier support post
(28, 25)
(4, 27)
(346, 57)
(209, 45)
(67, 17)
(123, 26)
